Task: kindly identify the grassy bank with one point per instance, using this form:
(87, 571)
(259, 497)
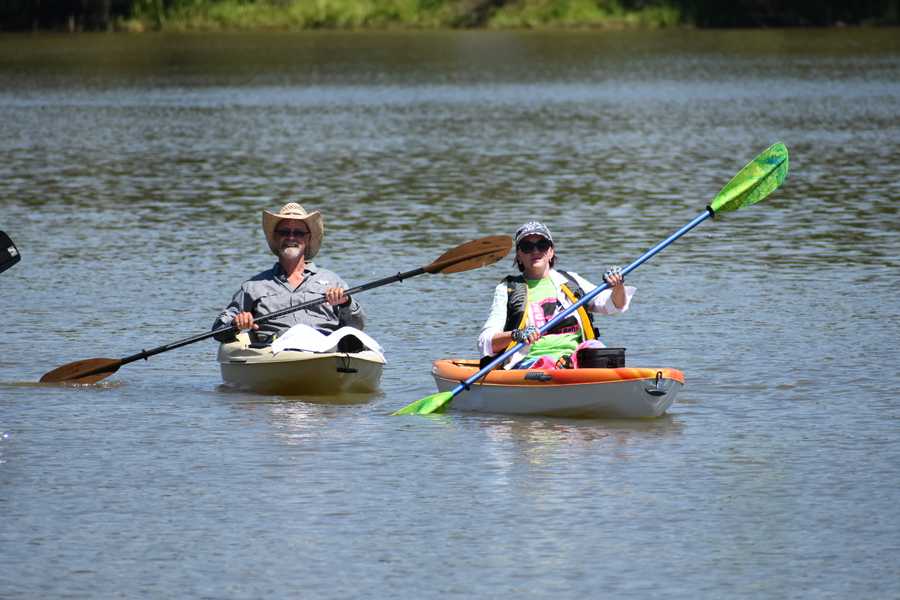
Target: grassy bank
(294, 15)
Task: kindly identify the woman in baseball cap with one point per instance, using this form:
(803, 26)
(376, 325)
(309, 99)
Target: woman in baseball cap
(524, 303)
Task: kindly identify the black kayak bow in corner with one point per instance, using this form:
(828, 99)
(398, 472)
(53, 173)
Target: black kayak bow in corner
(9, 254)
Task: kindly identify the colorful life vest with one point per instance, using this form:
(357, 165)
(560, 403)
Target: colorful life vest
(517, 300)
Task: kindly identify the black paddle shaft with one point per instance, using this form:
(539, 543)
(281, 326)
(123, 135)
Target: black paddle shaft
(145, 354)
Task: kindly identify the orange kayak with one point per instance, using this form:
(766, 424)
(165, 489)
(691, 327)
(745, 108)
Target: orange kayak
(625, 392)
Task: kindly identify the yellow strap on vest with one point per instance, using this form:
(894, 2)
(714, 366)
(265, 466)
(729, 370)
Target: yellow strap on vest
(523, 321)
(587, 332)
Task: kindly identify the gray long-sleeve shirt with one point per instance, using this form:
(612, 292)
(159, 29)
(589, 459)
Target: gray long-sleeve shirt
(270, 291)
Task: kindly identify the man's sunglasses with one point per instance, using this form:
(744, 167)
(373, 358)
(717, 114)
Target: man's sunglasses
(527, 247)
(300, 233)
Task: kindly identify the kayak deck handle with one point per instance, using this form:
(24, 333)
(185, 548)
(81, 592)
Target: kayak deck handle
(344, 365)
(538, 376)
(657, 389)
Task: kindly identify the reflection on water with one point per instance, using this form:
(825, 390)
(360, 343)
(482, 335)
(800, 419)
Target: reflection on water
(345, 398)
(546, 441)
(133, 171)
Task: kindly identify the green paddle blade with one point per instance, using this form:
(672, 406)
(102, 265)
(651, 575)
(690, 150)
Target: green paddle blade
(754, 182)
(427, 405)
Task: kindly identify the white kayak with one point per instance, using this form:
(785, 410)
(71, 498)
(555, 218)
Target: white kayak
(624, 392)
(302, 363)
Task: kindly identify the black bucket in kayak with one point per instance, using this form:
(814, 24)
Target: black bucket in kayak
(600, 358)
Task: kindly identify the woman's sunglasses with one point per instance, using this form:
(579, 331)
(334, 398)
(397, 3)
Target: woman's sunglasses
(300, 233)
(527, 247)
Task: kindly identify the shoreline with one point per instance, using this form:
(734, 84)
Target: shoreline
(131, 29)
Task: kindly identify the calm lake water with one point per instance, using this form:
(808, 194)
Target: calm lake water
(132, 175)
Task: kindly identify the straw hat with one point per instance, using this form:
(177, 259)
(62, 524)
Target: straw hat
(294, 211)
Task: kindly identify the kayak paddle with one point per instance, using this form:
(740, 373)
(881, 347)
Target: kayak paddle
(752, 183)
(9, 254)
(471, 255)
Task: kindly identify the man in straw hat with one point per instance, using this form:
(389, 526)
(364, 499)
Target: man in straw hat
(294, 236)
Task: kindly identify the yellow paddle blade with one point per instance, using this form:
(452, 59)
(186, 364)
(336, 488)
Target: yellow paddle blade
(427, 405)
(472, 255)
(91, 370)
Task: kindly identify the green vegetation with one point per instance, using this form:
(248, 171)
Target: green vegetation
(292, 15)
(583, 13)
(385, 14)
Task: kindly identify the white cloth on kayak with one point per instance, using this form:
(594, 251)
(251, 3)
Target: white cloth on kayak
(601, 304)
(308, 339)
